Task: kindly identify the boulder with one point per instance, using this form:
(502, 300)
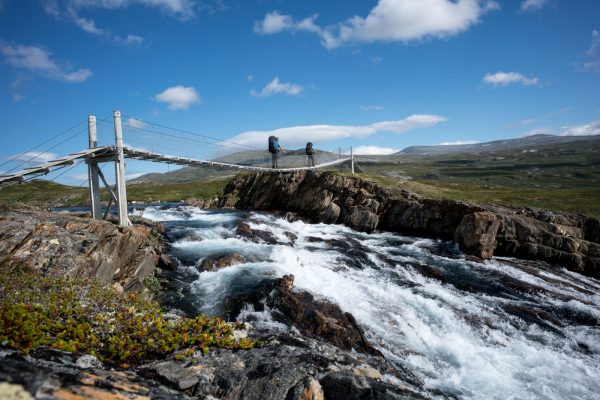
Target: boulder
(315, 318)
(476, 234)
(219, 262)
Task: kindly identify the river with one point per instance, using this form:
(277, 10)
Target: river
(504, 329)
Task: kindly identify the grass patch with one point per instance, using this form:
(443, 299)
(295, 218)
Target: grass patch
(50, 194)
(81, 316)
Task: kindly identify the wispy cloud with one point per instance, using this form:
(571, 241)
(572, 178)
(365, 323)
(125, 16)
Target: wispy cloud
(459, 142)
(178, 97)
(136, 123)
(33, 157)
(534, 5)
(38, 60)
(373, 151)
(299, 135)
(277, 87)
(531, 121)
(592, 55)
(388, 21)
(509, 78)
(371, 107)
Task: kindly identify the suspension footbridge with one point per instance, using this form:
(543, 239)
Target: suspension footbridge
(95, 155)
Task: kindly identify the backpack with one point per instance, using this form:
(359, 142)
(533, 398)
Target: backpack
(309, 148)
(272, 145)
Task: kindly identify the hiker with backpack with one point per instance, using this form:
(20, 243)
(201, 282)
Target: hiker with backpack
(274, 149)
(310, 154)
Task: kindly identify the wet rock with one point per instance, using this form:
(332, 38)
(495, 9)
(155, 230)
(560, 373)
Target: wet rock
(167, 262)
(255, 235)
(312, 317)
(219, 262)
(476, 234)
(346, 385)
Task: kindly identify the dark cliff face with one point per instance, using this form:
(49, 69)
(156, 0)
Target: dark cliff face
(66, 245)
(568, 240)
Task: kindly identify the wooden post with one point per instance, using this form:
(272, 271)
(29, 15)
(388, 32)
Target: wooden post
(120, 171)
(352, 160)
(93, 170)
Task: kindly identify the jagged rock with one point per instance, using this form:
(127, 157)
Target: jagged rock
(254, 235)
(568, 240)
(476, 234)
(219, 262)
(51, 374)
(312, 317)
(62, 244)
(365, 221)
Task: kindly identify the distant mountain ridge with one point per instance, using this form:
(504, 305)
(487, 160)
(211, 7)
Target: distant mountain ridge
(523, 143)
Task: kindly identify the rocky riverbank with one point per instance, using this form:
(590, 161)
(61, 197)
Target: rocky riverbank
(325, 356)
(568, 240)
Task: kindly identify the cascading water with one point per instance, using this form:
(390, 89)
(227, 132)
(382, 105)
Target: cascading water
(503, 329)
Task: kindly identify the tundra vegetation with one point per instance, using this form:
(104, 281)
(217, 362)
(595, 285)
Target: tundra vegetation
(77, 315)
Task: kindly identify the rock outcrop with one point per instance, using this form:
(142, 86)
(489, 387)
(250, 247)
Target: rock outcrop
(67, 245)
(312, 317)
(572, 241)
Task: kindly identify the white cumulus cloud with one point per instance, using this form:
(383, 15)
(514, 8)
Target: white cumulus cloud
(299, 135)
(508, 78)
(178, 97)
(592, 128)
(459, 142)
(277, 87)
(388, 21)
(40, 61)
(373, 151)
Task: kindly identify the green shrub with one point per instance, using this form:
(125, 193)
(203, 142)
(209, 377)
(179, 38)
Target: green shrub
(81, 316)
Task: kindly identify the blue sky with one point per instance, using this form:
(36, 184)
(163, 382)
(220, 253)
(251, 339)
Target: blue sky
(376, 74)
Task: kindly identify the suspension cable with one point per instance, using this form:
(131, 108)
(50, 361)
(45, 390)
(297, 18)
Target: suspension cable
(194, 134)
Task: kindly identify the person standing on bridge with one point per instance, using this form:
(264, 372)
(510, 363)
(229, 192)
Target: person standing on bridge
(310, 151)
(275, 148)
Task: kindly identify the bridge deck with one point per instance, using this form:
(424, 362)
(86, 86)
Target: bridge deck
(61, 162)
(109, 152)
(145, 155)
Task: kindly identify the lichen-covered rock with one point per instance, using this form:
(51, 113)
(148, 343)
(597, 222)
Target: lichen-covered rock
(67, 245)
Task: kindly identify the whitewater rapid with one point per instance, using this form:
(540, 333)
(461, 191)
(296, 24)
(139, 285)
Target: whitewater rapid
(506, 329)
